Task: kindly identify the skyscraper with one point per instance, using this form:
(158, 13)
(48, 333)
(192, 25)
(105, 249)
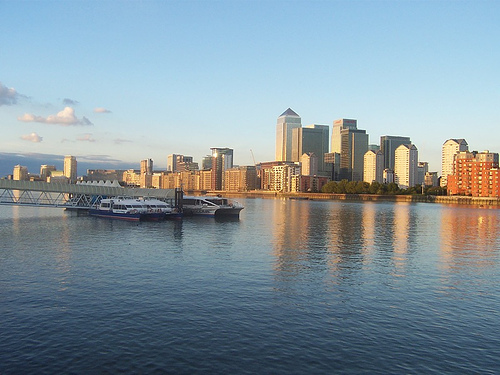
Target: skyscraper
(373, 166)
(20, 173)
(338, 126)
(406, 166)
(388, 145)
(146, 173)
(70, 167)
(311, 139)
(286, 122)
(309, 163)
(222, 160)
(450, 148)
(354, 145)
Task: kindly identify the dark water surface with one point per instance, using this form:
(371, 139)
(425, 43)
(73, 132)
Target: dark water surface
(293, 287)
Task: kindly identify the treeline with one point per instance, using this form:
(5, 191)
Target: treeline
(360, 187)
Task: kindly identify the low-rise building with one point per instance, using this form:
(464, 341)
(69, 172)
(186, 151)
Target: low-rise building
(475, 174)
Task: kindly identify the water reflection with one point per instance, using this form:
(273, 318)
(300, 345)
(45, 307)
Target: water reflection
(469, 237)
(347, 238)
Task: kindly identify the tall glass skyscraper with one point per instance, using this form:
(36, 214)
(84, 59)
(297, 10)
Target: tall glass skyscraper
(388, 145)
(287, 121)
(311, 139)
(70, 166)
(222, 159)
(338, 126)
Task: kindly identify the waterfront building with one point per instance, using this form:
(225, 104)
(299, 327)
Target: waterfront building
(405, 166)
(205, 180)
(373, 169)
(354, 145)
(20, 173)
(45, 171)
(286, 122)
(280, 176)
(311, 139)
(312, 184)
(58, 176)
(222, 159)
(388, 145)
(450, 148)
(338, 126)
(309, 163)
(132, 178)
(242, 178)
(422, 169)
(475, 174)
(70, 168)
(333, 160)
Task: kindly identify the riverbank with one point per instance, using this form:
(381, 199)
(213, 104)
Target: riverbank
(442, 199)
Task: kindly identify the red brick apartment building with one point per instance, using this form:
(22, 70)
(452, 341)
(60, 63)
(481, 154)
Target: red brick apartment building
(475, 174)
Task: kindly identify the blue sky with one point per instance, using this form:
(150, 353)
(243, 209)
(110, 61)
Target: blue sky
(113, 82)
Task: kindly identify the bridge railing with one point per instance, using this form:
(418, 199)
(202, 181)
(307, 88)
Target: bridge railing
(88, 189)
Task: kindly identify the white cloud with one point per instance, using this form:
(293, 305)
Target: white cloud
(101, 110)
(87, 137)
(33, 137)
(8, 96)
(65, 118)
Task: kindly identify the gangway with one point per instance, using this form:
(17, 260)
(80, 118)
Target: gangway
(73, 196)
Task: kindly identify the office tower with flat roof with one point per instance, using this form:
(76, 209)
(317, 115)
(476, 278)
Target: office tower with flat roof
(222, 160)
(206, 163)
(354, 145)
(332, 160)
(20, 173)
(146, 174)
(311, 139)
(286, 122)
(338, 126)
(388, 145)
(405, 166)
(422, 169)
(476, 174)
(450, 148)
(373, 166)
(45, 171)
(309, 163)
(172, 160)
(180, 163)
(70, 167)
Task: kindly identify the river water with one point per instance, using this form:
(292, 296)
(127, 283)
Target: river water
(293, 287)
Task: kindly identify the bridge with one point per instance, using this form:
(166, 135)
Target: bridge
(73, 196)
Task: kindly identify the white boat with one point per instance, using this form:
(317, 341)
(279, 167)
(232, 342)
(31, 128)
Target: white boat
(134, 209)
(210, 206)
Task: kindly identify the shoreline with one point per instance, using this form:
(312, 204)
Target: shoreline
(441, 199)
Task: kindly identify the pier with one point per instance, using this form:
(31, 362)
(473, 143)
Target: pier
(73, 196)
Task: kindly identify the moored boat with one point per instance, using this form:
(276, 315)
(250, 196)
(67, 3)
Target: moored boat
(210, 206)
(134, 209)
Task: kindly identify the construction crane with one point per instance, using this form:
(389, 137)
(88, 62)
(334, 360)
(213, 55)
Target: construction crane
(253, 157)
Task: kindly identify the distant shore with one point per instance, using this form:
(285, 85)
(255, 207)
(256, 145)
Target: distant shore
(443, 199)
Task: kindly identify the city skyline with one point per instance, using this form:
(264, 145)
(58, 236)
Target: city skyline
(190, 76)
